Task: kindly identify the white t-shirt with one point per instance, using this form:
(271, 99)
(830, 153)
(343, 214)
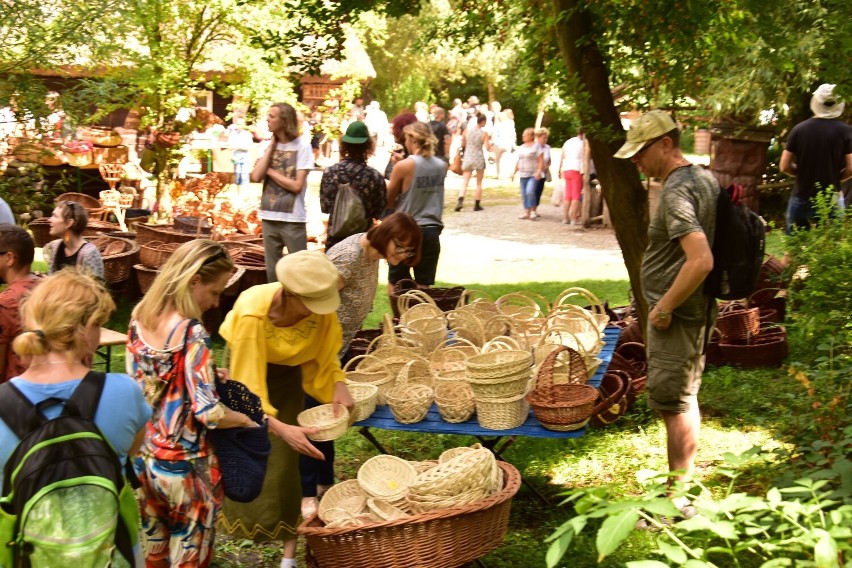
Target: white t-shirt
(276, 203)
(572, 154)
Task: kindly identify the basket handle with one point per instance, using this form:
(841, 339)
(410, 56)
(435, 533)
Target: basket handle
(469, 296)
(544, 377)
(360, 358)
(748, 301)
(593, 300)
(409, 297)
(573, 311)
(556, 328)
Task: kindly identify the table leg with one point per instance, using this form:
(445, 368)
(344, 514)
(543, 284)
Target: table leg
(365, 431)
(494, 445)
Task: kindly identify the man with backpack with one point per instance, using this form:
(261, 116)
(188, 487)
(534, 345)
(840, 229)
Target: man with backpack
(675, 265)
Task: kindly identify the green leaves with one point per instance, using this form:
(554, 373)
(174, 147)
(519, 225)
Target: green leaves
(614, 530)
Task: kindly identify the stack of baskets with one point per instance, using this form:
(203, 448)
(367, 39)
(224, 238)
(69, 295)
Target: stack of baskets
(746, 341)
(500, 381)
(156, 245)
(563, 407)
(387, 533)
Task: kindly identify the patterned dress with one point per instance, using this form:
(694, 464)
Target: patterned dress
(474, 158)
(361, 275)
(176, 465)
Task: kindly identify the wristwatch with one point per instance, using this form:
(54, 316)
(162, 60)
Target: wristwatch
(663, 315)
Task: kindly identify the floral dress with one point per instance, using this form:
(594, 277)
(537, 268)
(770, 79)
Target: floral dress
(474, 157)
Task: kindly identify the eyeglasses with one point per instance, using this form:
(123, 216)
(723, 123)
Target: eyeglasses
(648, 145)
(405, 252)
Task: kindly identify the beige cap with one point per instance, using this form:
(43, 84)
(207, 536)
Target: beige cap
(312, 277)
(650, 125)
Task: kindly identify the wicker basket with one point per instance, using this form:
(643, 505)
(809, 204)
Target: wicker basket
(612, 400)
(416, 372)
(91, 204)
(117, 263)
(198, 226)
(323, 417)
(461, 534)
(631, 333)
(455, 401)
(769, 349)
(387, 477)
(502, 343)
(410, 403)
(736, 321)
(502, 413)
(498, 364)
(464, 478)
(40, 228)
(445, 298)
(145, 276)
(370, 369)
(154, 254)
(364, 396)
(346, 495)
(560, 407)
(383, 511)
(424, 310)
(147, 232)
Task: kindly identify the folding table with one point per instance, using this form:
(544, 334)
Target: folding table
(498, 441)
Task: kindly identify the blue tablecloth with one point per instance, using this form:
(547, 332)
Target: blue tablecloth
(434, 424)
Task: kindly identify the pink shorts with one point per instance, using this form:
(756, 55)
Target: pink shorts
(573, 185)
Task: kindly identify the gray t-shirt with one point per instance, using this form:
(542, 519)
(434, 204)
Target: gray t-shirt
(424, 199)
(687, 205)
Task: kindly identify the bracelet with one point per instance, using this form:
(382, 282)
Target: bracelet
(663, 315)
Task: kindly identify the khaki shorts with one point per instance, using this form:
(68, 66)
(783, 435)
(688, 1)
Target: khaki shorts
(675, 365)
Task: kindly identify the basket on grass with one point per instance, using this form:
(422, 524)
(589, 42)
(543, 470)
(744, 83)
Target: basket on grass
(154, 254)
(769, 349)
(455, 401)
(631, 333)
(444, 298)
(462, 533)
(364, 396)
(713, 354)
(736, 321)
(409, 403)
(344, 496)
(563, 407)
(387, 478)
(770, 280)
(331, 419)
(612, 398)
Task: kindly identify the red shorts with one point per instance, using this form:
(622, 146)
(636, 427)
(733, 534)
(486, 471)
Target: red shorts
(573, 185)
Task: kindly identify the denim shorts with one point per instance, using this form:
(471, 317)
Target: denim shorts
(675, 365)
(800, 212)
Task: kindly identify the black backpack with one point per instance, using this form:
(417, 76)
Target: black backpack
(65, 500)
(739, 243)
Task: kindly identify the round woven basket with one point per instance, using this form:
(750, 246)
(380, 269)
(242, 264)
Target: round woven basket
(498, 364)
(364, 395)
(416, 372)
(40, 229)
(500, 387)
(451, 356)
(386, 477)
(346, 495)
(163, 233)
(330, 426)
(145, 276)
(502, 413)
(154, 254)
(371, 369)
(455, 401)
(736, 321)
(409, 403)
(415, 312)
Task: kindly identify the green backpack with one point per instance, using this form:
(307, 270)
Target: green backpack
(65, 500)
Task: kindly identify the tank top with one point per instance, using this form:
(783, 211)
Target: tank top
(424, 199)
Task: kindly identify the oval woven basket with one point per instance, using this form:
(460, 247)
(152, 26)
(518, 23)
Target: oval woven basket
(40, 228)
(769, 349)
(736, 321)
(383, 511)
(463, 478)
(146, 232)
(364, 396)
(612, 399)
(416, 372)
(144, 276)
(154, 254)
(386, 477)
(323, 417)
(372, 370)
(91, 204)
(455, 401)
(118, 260)
(497, 364)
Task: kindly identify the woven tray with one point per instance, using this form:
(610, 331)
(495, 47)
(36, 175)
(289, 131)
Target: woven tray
(461, 534)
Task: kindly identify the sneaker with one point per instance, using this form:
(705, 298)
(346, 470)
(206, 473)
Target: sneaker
(309, 507)
(576, 222)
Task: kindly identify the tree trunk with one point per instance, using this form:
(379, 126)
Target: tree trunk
(625, 196)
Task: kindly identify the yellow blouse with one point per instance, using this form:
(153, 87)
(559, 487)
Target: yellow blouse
(313, 343)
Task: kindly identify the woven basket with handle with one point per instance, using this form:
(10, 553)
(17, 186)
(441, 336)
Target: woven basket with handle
(564, 406)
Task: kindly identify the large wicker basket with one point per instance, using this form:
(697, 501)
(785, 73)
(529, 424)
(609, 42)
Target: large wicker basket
(445, 298)
(117, 263)
(40, 228)
(561, 407)
(439, 539)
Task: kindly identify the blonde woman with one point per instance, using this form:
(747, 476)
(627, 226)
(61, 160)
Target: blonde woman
(67, 223)
(170, 357)
(62, 318)
(530, 168)
(416, 187)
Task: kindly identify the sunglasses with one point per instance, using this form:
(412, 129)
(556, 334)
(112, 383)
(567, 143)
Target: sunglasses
(404, 251)
(648, 145)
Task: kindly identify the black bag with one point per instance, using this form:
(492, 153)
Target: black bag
(348, 216)
(65, 499)
(243, 452)
(739, 243)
